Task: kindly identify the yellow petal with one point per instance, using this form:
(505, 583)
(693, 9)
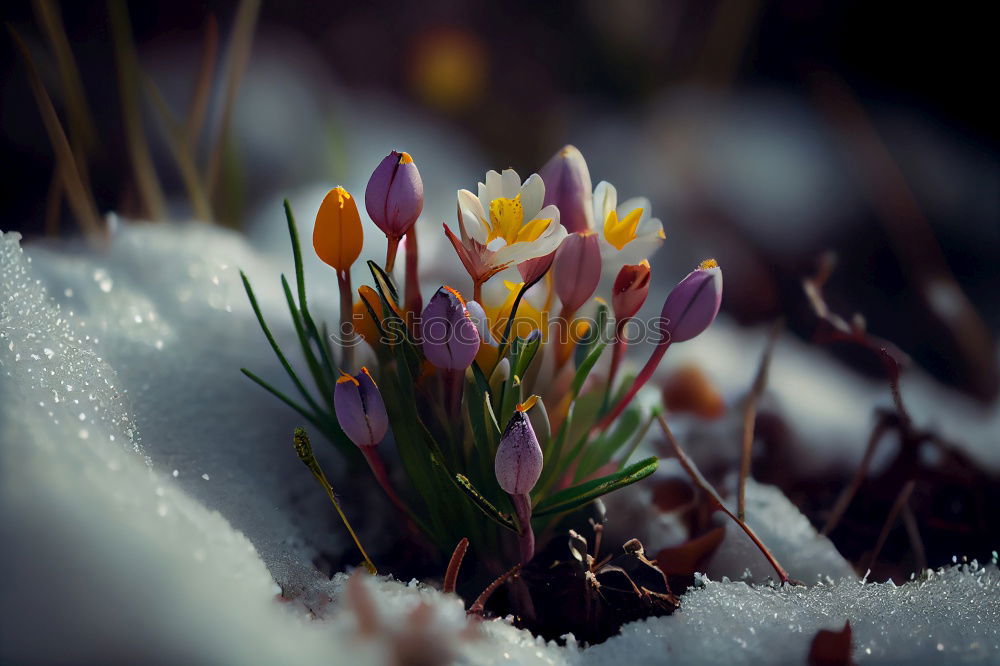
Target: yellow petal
(506, 216)
(532, 230)
(363, 322)
(337, 236)
(620, 232)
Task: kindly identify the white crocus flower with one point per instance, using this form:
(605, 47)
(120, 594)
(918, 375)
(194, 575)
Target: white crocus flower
(629, 234)
(504, 225)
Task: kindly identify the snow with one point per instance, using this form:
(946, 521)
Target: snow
(947, 616)
(164, 523)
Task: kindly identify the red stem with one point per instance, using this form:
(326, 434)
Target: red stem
(378, 469)
(526, 539)
(390, 253)
(346, 319)
(644, 375)
(451, 574)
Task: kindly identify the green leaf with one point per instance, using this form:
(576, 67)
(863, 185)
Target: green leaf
(583, 370)
(603, 449)
(577, 496)
(274, 346)
(484, 505)
(595, 334)
(315, 369)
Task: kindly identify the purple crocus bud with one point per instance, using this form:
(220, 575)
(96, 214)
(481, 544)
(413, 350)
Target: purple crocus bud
(450, 337)
(534, 270)
(518, 463)
(693, 303)
(567, 186)
(395, 194)
(360, 410)
(577, 269)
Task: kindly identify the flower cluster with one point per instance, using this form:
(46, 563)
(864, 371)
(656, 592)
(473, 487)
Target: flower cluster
(498, 406)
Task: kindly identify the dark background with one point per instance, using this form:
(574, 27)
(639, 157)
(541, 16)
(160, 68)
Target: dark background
(537, 66)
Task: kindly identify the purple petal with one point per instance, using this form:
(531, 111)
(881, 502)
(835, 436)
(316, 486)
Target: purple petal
(567, 186)
(449, 336)
(518, 462)
(394, 196)
(577, 269)
(693, 304)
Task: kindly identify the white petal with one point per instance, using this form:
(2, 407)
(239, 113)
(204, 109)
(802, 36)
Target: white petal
(511, 184)
(635, 202)
(532, 195)
(539, 247)
(550, 212)
(639, 249)
(605, 201)
(494, 188)
(472, 216)
(483, 201)
(648, 225)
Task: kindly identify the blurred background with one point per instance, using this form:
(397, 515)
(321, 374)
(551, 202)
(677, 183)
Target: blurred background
(765, 132)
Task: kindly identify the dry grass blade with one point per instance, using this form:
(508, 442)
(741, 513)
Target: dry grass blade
(890, 520)
(203, 87)
(848, 494)
(750, 414)
(80, 200)
(237, 58)
(913, 532)
(82, 132)
(175, 138)
(707, 488)
(128, 81)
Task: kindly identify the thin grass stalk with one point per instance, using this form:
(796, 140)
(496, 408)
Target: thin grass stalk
(195, 120)
(80, 200)
(750, 417)
(705, 486)
(82, 132)
(237, 58)
(174, 135)
(153, 203)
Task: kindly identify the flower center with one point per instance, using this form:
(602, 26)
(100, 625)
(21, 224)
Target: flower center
(507, 222)
(620, 232)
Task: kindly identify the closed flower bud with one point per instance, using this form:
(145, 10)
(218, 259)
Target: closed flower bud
(534, 270)
(337, 236)
(360, 410)
(577, 269)
(450, 338)
(395, 194)
(518, 462)
(693, 303)
(630, 290)
(568, 188)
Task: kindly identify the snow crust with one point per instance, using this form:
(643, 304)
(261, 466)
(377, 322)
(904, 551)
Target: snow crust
(152, 509)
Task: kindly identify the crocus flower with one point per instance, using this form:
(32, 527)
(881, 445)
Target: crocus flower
(518, 462)
(337, 235)
(395, 195)
(360, 410)
(517, 466)
(504, 225)
(568, 188)
(630, 290)
(450, 338)
(629, 234)
(577, 269)
(689, 309)
(692, 305)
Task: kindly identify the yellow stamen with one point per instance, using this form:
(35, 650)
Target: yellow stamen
(527, 404)
(708, 263)
(404, 158)
(620, 232)
(344, 377)
(532, 230)
(506, 216)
